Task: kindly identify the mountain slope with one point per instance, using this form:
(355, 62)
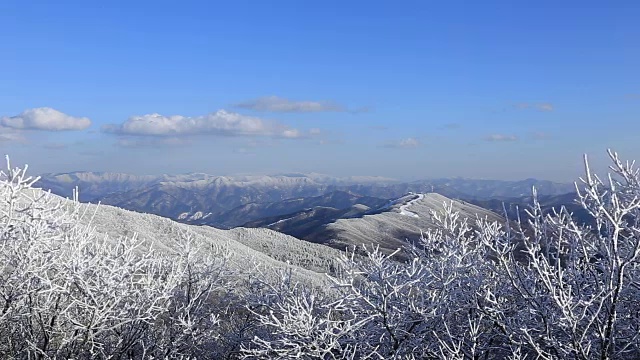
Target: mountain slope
(305, 223)
(270, 248)
(246, 247)
(390, 226)
(393, 226)
(254, 211)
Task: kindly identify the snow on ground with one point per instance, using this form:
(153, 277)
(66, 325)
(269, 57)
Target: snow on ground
(193, 217)
(280, 221)
(404, 208)
(398, 225)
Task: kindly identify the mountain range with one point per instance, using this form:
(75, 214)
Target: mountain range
(332, 212)
(390, 226)
(230, 201)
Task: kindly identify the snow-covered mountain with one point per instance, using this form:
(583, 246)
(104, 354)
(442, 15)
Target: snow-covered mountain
(265, 246)
(256, 210)
(338, 219)
(390, 226)
(245, 246)
(219, 200)
(98, 185)
(94, 185)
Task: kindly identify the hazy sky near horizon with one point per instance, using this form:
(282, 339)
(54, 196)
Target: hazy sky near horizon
(407, 89)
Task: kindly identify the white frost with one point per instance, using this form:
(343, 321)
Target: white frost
(403, 208)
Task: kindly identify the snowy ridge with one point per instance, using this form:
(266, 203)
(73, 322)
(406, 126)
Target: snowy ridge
(399, 222)
(404, 208)
(269, 248)
(187, 216)
(402, 204)
(279, 221)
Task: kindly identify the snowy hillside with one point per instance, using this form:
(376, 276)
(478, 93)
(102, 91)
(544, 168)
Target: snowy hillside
(263, 246)
(397, 223)
(390, 225)
(246, 246)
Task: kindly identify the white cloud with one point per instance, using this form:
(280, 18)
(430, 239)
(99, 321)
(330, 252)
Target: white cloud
(45, 118)
(137, 142)
(10, 135)
(545, 107)
(540, 135)
(501, 137)
(219, 123)
(291, 134)
(407, 143)
(278, 104)
(538, 106)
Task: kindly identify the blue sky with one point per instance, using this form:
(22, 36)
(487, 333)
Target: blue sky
(412, 89)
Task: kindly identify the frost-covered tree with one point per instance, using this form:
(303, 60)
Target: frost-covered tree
(68, 292)
(577, 288)
(65, 291)
(541, 287)
(380, 308)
